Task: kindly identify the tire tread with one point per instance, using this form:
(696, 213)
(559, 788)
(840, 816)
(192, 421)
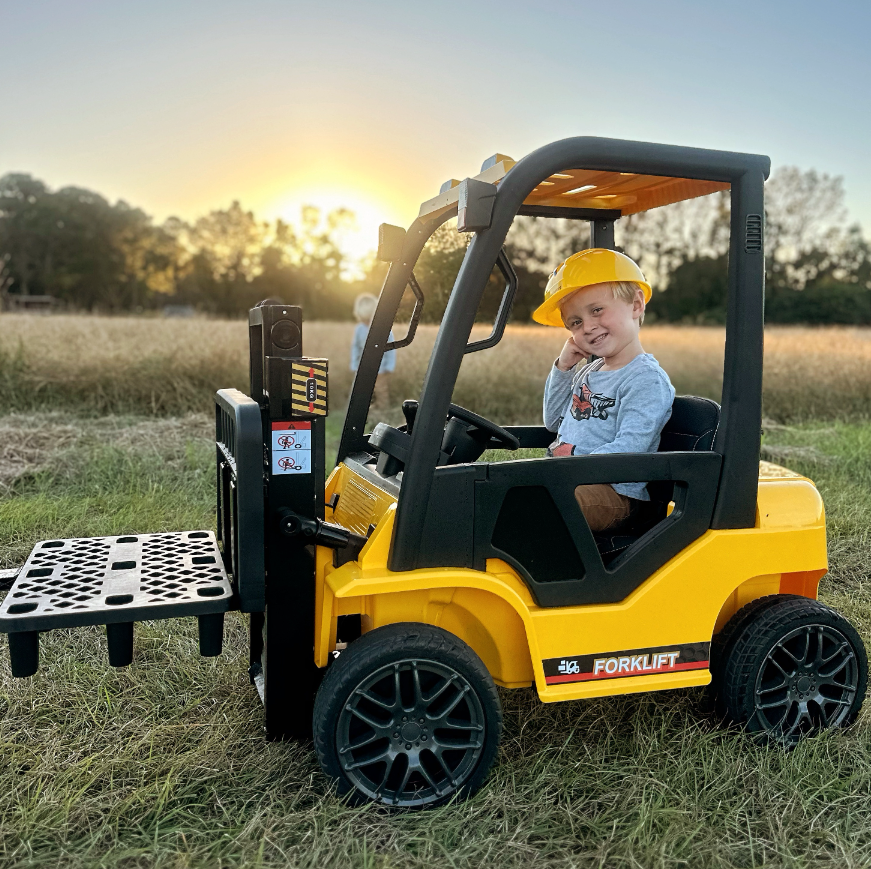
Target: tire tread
(723, 642)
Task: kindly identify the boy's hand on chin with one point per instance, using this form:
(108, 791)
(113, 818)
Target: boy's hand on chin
(570, 355)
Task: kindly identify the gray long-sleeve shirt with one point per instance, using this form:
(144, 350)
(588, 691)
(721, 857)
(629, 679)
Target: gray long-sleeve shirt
(622, 411)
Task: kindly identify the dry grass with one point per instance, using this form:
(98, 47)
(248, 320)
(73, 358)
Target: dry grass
(139, 365)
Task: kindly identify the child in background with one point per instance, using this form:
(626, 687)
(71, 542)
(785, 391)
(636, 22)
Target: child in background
(618, 403)
(364, 311)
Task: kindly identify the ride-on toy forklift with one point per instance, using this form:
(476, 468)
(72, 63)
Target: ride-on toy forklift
(386, 605)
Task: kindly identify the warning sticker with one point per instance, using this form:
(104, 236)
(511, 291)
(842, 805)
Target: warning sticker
(291, 448)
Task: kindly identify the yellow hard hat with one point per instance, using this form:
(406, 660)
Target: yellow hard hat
(594, 266)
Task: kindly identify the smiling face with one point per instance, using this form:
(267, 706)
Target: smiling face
(603, 325)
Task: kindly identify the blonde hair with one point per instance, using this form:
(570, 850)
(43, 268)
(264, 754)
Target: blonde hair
(623, 290)
(364, 307)
(626, 290)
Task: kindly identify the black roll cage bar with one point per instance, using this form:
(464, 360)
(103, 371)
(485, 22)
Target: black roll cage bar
(738, 436)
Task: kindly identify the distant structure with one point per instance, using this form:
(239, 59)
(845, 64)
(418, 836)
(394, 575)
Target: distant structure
(16, 303)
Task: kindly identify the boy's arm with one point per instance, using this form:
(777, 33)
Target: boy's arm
(643, 411)
(357, 345)
(389, 361)
(557, 392)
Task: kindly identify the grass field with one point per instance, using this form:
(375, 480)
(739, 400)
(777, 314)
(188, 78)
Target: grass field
(164, 763)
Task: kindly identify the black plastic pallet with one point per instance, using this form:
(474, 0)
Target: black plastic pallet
(116, 581)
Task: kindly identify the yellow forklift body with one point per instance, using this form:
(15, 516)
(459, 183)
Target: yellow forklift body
(680, 605)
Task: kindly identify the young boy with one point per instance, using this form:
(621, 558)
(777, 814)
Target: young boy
(364, 310)
(617, 403)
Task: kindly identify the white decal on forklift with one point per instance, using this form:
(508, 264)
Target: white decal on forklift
(291, 448)
(626, 663)
(632, 663)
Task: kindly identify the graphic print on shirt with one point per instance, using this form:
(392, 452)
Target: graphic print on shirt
(591, 404)
(561, 449)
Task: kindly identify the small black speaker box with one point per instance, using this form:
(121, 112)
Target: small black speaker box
(274, 330)
(282, 330)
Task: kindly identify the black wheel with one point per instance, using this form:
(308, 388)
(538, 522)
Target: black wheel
(795, 668)
(407, 716)
(723, 642)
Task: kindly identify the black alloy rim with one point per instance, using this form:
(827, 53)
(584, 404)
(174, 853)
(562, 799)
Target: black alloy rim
(807, 682)
(411, 733)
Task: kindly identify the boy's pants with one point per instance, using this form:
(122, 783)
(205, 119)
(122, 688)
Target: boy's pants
(381, 394)
(603, 508)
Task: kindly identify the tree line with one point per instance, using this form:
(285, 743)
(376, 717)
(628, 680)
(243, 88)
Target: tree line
(73, 245)
(90, 255)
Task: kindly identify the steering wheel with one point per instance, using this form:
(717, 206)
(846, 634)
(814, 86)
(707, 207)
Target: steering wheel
(467, 436)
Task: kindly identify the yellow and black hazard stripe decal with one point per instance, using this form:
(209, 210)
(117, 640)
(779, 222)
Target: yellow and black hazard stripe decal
(308, 387)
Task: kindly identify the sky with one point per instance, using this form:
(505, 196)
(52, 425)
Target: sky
(181, 107)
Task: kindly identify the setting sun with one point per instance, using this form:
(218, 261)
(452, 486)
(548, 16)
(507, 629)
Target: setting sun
(360, 236)
(376, 190)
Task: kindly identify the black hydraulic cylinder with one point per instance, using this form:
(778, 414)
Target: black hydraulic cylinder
(318, 531)
(119, 638)
(211, 629)
(24, 653)
(290, 678)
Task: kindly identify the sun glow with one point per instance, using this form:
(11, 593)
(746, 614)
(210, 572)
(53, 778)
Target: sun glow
(359, 237)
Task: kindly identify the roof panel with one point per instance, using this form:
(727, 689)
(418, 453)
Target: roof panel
(590, 188)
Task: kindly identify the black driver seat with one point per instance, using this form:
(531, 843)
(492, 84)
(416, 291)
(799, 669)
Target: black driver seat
(690, 428)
